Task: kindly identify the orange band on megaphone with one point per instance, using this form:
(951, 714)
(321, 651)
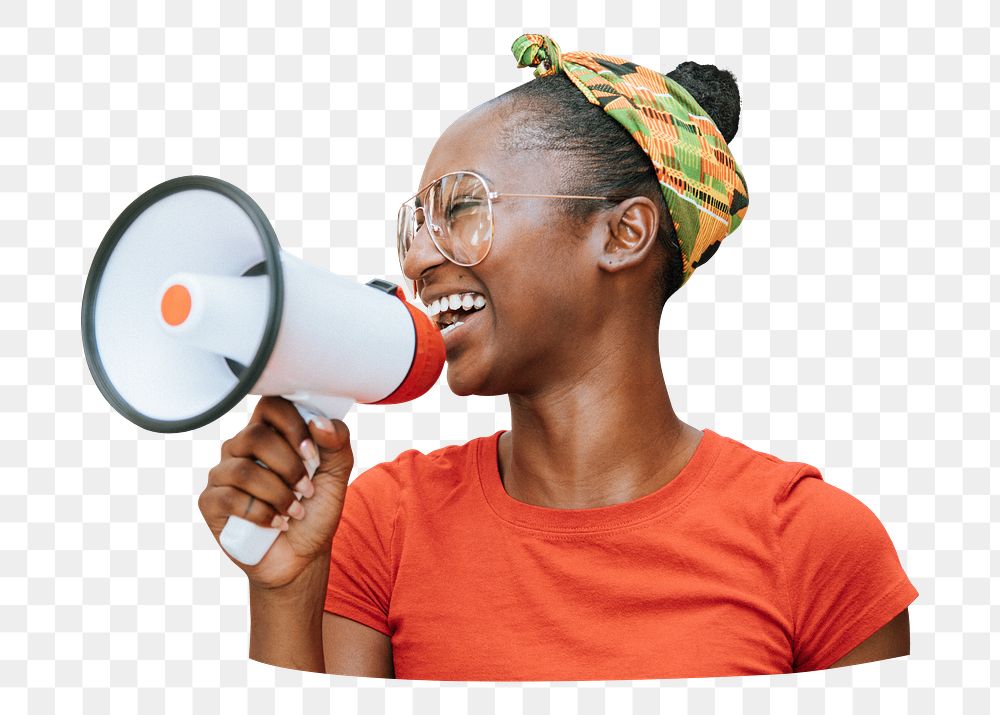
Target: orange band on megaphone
(428, 358)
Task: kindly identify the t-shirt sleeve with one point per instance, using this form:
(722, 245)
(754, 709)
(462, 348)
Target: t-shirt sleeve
(843, 576)
(361, 554)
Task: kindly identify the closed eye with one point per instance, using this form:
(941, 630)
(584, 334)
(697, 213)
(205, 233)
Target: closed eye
(458, 206)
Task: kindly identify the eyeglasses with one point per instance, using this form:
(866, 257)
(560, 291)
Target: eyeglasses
(457, 209)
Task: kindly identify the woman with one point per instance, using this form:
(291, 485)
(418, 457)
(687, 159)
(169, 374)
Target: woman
(601, 537)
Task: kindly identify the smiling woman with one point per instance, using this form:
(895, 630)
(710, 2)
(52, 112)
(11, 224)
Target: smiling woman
(601, 537)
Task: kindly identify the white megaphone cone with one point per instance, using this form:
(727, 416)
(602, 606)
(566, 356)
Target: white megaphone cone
(191, 304)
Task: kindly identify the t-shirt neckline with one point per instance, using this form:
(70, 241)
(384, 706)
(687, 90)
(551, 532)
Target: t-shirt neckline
(616, 516)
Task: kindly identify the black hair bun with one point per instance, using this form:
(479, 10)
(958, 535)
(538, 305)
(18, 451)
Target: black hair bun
(715, 90)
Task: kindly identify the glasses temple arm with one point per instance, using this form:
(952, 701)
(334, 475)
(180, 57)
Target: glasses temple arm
(496, 195)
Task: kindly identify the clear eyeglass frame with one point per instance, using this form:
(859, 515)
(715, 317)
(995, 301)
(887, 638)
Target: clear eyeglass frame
(406, 219)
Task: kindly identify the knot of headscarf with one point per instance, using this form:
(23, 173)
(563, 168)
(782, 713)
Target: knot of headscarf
(702, 185)
(534, 50)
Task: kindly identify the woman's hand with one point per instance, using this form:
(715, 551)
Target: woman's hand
(279, 437)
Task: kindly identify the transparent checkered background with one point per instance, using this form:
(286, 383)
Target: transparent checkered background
(848, 323)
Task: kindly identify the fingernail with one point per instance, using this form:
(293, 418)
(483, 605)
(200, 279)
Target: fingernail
(277, 521)
(305, 487)
(311, 456)
(296, 510)
(322, 423)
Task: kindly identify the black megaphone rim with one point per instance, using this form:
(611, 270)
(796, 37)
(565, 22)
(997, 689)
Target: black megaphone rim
(248, 377)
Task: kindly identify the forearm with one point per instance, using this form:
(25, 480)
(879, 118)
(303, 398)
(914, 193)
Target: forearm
(286, 625)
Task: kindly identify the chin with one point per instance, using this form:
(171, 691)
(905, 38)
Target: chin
(462, 383)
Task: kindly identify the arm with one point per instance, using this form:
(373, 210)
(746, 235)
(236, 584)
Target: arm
(255, 479)
(286, 623)
(352, 648)
(355, 622)
(290, 629)
(844, 581)
(890, 641)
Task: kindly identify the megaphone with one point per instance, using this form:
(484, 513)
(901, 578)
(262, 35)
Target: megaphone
(190, 304)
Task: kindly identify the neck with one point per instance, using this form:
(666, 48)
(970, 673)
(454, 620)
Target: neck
(595, 437)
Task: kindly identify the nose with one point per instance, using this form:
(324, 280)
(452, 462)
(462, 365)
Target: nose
(422, 255)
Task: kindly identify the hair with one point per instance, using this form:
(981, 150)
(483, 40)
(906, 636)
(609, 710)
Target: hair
(605, 159)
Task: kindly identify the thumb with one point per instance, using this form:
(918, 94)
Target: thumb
(333, 442)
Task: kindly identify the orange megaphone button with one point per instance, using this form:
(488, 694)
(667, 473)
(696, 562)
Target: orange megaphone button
(175, 306)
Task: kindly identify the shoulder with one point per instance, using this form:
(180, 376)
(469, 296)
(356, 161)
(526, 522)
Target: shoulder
(756, 473)
(808, 516)
(796, 491)
(415, 471)
(837, 567)
(815, 517)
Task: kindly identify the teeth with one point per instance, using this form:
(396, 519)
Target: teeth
(466, 301)
(451, 327)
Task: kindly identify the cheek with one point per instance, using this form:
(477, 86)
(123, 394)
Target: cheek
(534, 304)
(534, 276)
(537, 243)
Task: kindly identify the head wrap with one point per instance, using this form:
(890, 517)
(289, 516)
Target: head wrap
(703, 187)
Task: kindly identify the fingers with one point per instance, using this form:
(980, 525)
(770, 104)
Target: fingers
(245, 475)
(283, 416)
(330, 434)
(259, 440)
(336, 455)
(218, 503)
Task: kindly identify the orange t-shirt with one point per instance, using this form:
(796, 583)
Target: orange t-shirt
(743, 564)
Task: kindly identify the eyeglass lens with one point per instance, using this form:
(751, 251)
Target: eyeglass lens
(458, 217)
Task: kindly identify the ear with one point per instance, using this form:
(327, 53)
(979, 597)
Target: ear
(631, 233)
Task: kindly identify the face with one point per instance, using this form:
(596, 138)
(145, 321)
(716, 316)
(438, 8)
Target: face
(534, 278)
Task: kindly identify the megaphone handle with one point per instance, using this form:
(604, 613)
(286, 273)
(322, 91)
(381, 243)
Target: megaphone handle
(248, 542)
(333, 407)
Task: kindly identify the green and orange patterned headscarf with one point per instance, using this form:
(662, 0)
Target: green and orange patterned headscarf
(704, 189)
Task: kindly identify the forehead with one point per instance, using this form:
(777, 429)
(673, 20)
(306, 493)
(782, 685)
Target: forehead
(470, 142)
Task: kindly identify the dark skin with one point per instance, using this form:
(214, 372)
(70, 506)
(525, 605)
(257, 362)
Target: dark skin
(574, 390)
(564, 334)
(890, 641)
(577, 353)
